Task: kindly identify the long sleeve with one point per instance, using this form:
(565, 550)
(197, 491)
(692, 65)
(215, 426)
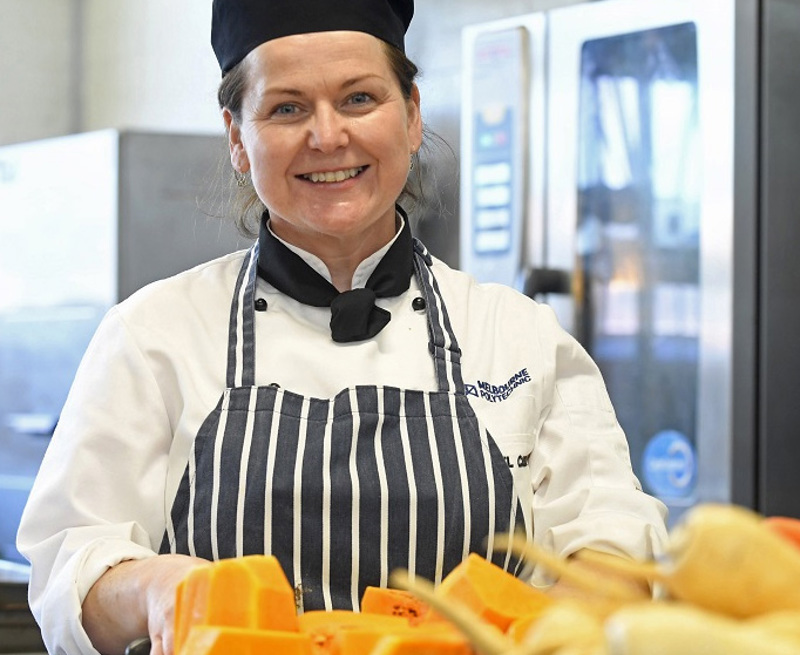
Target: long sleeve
(99, 496)
(585, 492)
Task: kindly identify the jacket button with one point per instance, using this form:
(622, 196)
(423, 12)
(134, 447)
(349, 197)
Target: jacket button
(260, 305)
(418, 304)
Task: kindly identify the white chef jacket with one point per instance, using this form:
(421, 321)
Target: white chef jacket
(156, 368)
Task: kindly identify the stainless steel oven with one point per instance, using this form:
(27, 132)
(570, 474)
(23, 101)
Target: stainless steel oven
(655, 214)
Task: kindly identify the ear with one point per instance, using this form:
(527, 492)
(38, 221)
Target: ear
(239, 160)
(414, 119)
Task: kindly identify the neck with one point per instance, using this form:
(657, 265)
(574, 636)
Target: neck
(291, 273)
(341, 252)
(342, 269)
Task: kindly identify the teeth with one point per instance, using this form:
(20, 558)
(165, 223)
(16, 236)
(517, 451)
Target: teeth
(334, 176)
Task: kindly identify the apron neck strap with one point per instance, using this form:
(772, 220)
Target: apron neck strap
(442, 341)
(241, 371)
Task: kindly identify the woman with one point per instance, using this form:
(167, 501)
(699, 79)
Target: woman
(335, 395)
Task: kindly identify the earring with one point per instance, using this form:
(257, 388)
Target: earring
(411, 163)
(241, 179)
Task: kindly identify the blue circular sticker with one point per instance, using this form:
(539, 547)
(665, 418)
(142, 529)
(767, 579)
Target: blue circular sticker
(670, 465)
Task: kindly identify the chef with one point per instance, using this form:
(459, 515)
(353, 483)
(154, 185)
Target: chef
(334, 395)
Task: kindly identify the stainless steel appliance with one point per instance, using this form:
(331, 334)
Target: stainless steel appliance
(85, 220)
(658, 219)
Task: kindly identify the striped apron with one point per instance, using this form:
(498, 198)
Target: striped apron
(343, 490)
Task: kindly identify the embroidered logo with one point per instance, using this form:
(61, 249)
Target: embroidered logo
(496, 393)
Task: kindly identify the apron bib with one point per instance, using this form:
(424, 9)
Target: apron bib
(344, 490)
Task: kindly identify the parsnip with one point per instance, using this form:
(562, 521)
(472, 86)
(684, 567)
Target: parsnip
(679, 628)
(743, 568)
(606, 593)
(565, 626)
(784, 624)
(722, 557)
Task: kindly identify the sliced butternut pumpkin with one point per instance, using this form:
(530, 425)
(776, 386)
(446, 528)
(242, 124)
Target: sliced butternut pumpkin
(244, 592)
(485, 638)
(394, 602)
(492, 593)
(786, 526)
(212, 640)
(342, 632)
(416, 642)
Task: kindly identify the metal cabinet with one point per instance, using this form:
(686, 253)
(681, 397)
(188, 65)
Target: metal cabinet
(85, 220)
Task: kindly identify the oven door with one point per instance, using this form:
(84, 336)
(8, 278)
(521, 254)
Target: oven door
(640, 220)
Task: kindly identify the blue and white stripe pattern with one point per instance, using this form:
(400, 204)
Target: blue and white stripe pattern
(343, 490)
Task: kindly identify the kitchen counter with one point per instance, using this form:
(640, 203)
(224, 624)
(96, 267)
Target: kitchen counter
(18, 630)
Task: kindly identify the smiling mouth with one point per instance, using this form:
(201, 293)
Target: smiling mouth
(333, 176)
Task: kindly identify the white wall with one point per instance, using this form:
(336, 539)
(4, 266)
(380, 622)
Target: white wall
(38, 74)
(148, 64)
(78, 65)
(81, 65)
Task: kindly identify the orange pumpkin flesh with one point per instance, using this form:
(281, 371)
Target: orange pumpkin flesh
(246, 606)
(244, 592)
(213, 640)
(786, 526)
(422, 644)
(492, 593)
(342, 631)
(394, 602)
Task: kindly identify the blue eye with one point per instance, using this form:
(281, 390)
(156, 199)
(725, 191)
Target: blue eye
(285, 110)
(360, 98)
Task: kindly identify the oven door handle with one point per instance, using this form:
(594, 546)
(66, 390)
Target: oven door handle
(542, 281)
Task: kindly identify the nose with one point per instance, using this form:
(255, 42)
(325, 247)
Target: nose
(328, 130)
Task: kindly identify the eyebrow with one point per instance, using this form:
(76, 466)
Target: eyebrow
(360, 78)
(290, 91)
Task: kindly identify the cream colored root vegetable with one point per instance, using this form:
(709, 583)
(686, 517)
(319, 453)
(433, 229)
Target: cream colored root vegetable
(681, 629)
(608, 594)
(722, 558)
(565, 627)
(784, 624)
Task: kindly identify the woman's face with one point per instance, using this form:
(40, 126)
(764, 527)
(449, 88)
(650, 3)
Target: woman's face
(326, 136)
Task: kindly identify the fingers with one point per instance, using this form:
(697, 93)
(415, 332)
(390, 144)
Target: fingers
(157, 648)
(167, 643)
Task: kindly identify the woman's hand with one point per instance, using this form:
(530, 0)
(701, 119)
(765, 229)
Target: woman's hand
(165, 574)
(133, 599)
(623, 585)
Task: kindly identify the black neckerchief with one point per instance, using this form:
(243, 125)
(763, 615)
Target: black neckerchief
(354, 316)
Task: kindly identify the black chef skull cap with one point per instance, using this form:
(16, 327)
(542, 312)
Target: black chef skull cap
(239, 26)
